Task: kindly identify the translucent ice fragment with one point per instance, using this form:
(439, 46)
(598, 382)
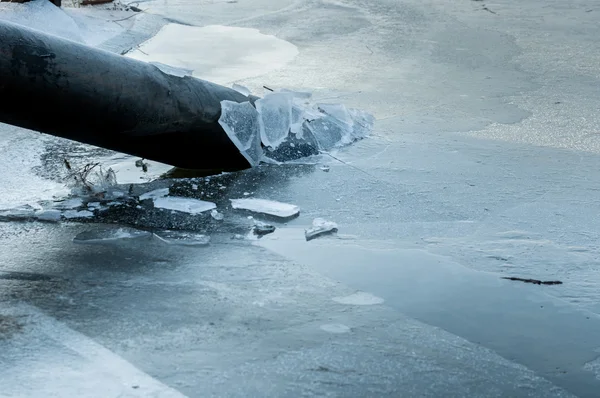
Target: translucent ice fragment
(241, 89)
(173, 70)
(108, 235)
(242, 126)
(275, 111)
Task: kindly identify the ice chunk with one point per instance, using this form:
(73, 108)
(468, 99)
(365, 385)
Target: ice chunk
(108, 235)
(362, 123)
(320, 227)
(268, 207)
(216, 215)
(93, 205)
(242, 126)
(172, 70)
(183, 238)
(48, 215)
(23, 213)
(241, 89)
(260, 228)
(338, 112)
(69, 204)
(185, 205)
(325, 168)
(328, 132)
(157, 193)
(69, 214)
(275, 120)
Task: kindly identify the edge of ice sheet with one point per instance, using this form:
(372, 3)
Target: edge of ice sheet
(265, 206)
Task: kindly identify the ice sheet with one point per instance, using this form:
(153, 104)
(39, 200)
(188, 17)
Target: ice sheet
(183, 238)
(69, 214)
(108, 235)
(242, 126)
(185, 205)
(275, 120)
(264, 206)
(157, 193)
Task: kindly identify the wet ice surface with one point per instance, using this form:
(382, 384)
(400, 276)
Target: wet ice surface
(319, 228)
(183, 238)
(109, 235)
(266, 207)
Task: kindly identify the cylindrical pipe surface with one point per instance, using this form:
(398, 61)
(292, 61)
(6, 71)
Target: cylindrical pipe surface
(70, 90)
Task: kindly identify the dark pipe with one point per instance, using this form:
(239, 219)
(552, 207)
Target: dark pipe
(70, 90)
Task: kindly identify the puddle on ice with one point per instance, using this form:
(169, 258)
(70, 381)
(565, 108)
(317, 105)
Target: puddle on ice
(267, 207)
(359, 298)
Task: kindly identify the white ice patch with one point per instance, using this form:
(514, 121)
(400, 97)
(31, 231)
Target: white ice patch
(220, 54)
(241, 124)
(216, 215)
(102, 235)
(69, 204)
(185, 205)
(336, 328)
(275, 120)
(157, 193)
(182, 238)
(268, 207)
(48, 215)
(320, 227)
(69, 214)
(359, 298)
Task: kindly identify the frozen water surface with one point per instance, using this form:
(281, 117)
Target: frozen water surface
(185, 205)
(359, 298)
(264, 206)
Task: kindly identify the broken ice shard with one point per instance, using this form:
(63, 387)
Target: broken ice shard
(69, 204)
(108, 235)
(320, 227)
(338, 112)
(241, 89)
(241, 124)
(48, 215)
(172, 70)
(182, 238)
(296, 146)
(268, 207)
(329, 132)
(362, 123)
(157, 193)
(23, 213)
(261, 228)
(275, 111)
(69, 214)
(216, 215)
(185, 205)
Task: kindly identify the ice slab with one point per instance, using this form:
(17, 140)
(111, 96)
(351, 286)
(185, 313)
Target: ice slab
(23, 213)
(185, 205)
(157, 193)
(260, 228)
(183, 238)
(51, 215)
(172, 70)
(235, 53)
(320, 227)
(69, 214)
(275, 120)
(242, 126)
(338, 112)
(69, 204)
(264, 206)
(103, 235)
